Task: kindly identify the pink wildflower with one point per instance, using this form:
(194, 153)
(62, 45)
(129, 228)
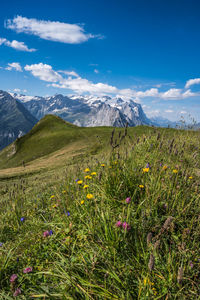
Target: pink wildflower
(126, 226)
(118, 224)
(28, 270)
(46, 233)
(17, 292)
(13, 277)
(128, 200)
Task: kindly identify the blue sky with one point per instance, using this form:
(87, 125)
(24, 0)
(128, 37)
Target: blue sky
(144, 49)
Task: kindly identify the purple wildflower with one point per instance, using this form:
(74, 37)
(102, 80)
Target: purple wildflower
(128, 200)
(50, 232)
(17, 292)
(77, 179)
(148, 165)
(1, 244)
(22, 219)
(126, 226)
(118, 224)
(13, 277)
(191, 264)
(67, 213)
(28, 270)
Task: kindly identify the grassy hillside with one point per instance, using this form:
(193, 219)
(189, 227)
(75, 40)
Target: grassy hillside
(53, 134)
(115, 223)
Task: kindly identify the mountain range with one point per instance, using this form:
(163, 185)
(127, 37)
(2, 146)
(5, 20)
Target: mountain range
(87, 111)
(19, 113)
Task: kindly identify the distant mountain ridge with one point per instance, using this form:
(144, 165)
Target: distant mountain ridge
(15, 119)
(87, 110)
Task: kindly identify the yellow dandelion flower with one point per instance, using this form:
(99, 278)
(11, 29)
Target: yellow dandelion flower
(55, 205)
(90, 196)
(86, 186)
(82, 202)
(145, 281)
(94, 173)
(63, 192)
(175, 171)
(141, 186)
(115, 162)
(52, 196)
(88, 177)
(80, 181)
(102, 165)
(164, 167)
(145, 170)
(190, 177)
(87, 170)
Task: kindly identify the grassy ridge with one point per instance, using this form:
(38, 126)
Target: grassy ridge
(83, 239)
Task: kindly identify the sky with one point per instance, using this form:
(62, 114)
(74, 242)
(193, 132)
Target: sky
(146, 50)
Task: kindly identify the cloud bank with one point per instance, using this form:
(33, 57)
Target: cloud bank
(80, 85)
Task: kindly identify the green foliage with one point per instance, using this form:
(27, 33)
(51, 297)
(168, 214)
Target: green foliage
(88, 256)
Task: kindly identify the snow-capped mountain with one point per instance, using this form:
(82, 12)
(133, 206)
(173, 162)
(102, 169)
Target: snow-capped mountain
(15, 120)
(87, 110)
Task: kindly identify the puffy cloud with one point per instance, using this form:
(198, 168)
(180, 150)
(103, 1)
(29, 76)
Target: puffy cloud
(77, 84)
(48, 30)
(192, 82)
(14, 66)
(96, 71)
(16, 45)
(44, 72)
(177, 94)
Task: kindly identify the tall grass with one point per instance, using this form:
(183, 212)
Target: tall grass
(103, 246)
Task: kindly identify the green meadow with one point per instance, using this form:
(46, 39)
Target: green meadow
(100, 213)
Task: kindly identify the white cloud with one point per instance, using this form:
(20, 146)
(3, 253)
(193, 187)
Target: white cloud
(169, 111)
(96, 71)
(14, 66)
(44, 72)
(192, 81)
(48, 30)
(17, 90)
(16, 45)
(177, 94)
(77, 84)
(183, 112)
